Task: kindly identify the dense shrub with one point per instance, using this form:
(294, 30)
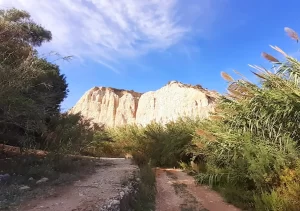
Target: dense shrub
(103, 145)
(68, 133)
(162, 145)
(251, 143)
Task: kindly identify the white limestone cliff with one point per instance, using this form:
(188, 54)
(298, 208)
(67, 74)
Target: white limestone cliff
(108, 106)
(172, 101)
(114, 107)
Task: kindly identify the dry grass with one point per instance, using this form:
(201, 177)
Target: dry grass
(226, 77)
(269, 57)
(146, 197)
(291, 33)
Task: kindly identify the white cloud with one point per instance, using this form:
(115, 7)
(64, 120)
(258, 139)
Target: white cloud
(108, 31)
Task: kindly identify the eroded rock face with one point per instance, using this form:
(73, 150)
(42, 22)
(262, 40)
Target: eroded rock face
(114, 107)
(108, 106)
(172, 101)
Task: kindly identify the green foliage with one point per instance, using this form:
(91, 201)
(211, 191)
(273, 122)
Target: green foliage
(254, 141)
(162, 145)
(103, 145)
(286, 196)
(147, 191)
(32, 89)
(67, 133)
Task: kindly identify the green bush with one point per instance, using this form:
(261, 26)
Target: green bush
(146, 196)
(68, 133)
(284, 197)
(161, 145)
(252, 139)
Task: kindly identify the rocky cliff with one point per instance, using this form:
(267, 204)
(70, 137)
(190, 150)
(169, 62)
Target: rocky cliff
(114, 107)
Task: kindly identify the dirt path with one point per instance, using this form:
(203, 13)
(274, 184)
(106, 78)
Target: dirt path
(177, 191)
(89, 194)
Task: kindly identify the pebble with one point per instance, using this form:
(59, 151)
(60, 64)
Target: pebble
(44, 179)
(115, 202)
(24, 187)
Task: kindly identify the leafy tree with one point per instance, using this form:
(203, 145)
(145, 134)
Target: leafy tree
(18, 35)
(31, 88)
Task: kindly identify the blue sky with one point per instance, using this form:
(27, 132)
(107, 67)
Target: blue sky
(142, 44)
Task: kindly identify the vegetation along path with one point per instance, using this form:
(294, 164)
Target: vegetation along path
(177, 191)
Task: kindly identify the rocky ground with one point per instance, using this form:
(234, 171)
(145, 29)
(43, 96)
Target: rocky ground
(177, 191)
(111, 186)
(102, 190)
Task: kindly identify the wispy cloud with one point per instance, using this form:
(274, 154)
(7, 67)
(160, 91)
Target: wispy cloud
(108, 31)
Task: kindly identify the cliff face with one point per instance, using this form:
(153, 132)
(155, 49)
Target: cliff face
(114, 107)
(108, 106)
(172, 101)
